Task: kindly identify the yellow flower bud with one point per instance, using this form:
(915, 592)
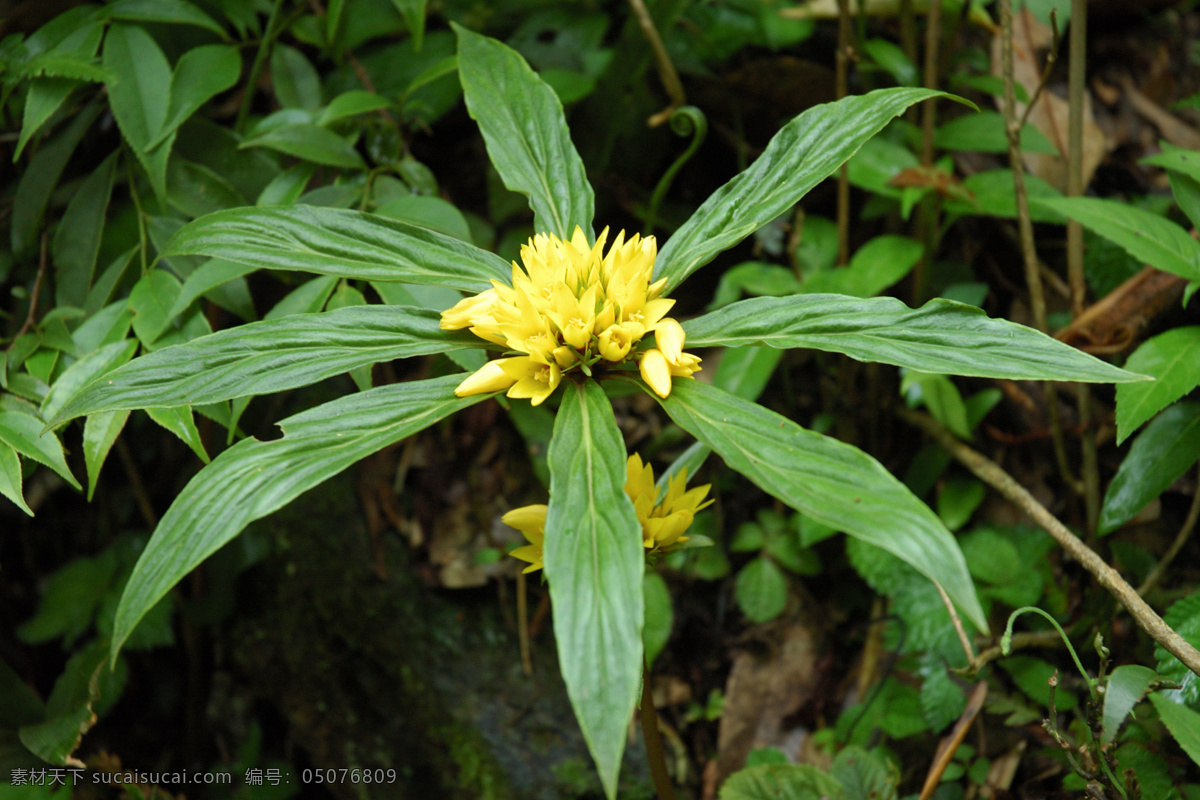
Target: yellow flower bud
(491, 377)
(656, 372)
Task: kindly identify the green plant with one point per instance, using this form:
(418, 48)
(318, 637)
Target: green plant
(593, 558)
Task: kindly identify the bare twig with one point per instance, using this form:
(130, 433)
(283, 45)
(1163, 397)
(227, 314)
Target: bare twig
(37, 289)
(993, 475)
(1019, 641)
(666, 69)
(949, 745)
(1185, 533)
(958, 626)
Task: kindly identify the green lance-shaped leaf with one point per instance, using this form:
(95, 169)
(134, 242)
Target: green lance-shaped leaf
(594, 563)
(526, 134)
(1182, 722)
(1161, 453)
(1173, 360)
(253, 478)
(346, 244)
(23, 433)
(140, 96)
(264, 357)
(1143, 234)
(1126, 686)
(808, 150)
(826, 480)
(942, 336)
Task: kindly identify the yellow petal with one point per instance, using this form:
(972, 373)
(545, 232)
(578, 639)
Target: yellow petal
(491, 377)
(656, 372)
(669, 337)
(529, 520)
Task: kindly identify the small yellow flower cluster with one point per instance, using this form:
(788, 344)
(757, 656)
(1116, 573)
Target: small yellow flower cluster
(573, 306)
(663, 525)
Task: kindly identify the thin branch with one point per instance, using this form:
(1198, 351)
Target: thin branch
(37, 289)
(1185, 533)
(958, 626)
(993, 475)
(260, 60)
(666, 69)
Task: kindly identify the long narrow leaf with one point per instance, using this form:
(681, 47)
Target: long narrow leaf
(526, 133)
(265, 357)
(804, 153)
(594, 563)
(347, 244)
(826, 480)
(253, 478)
(941, 336)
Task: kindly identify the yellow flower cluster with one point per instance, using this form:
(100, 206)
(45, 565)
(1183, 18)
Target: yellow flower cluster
(573, 306)
(663, 525)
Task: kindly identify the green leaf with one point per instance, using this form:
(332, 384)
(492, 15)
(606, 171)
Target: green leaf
(1177, 160)
(151, 300)
(23, 433)
(985, 133)
(140, 96)
(212, 274)
(311, 143)
(1182, 722)
(942, 336)
(864, 775)
(351, 104)
(77, 239)
(10, 477)
(268, 356)
(69, 712)
(876, 265)
(1166, 449)
(413, 12)
(526, 134)
(761, 590)
(1126, 686)
(826, 480)
(1173, 360)
(660, 616)
(176, 12)
(297, 84)
(940, 397)
(46, 95)
(991, 192)
(84, 371)
(1186, 190)
(957, 500)
(179, 421)
(594, 562)
(253, 478)
(776, 781)
(100, 432)
(808, 150)
(1144, 235)
(347, 244)
(892, 58)
(287, 187)
(429, 212)
(1184, 618)
(41, 177)
(201, 74)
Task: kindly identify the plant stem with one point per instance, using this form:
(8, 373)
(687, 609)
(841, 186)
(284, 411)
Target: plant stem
(654, 748)
(260, 58)
(666, 69)
(1185, 533)
(1089, 467)
(993, 475)
(843, 189)
(933, 38)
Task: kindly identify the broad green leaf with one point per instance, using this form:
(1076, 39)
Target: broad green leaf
(1177, 160)
(1182, 722)
(875, 266)
(942, 336)
(1166, 449)
(70, 711)
(660, 616)
(140, 96)
(151, 300)
(526, 134)
(991, 192)
(287, 187)
(940, 396)
(761, 590)
(297, 84)
(100, 432)
(957, 500)
(755, 278)
(46, 95)
(41, 177)
(102, 291)
(267, 356)
(347, 244)
(212, 274)
(892, 58)
(201, 74)
(1143, 234)
(1186, 190)
(176, 12)
(10, 477)
(253, 478)
(428, 212)
(745, 371)
(307, 298)
(594, 562)
(984, 133)
(808, 150)
(777, 781)
(311, 143)
(1173, 360)
(179, 421)
(413, 12)
(1183, 617)
(824, 479)
(23, 433)
(77, 238)
(86, 370)
(1126, 686)
(350, 104)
